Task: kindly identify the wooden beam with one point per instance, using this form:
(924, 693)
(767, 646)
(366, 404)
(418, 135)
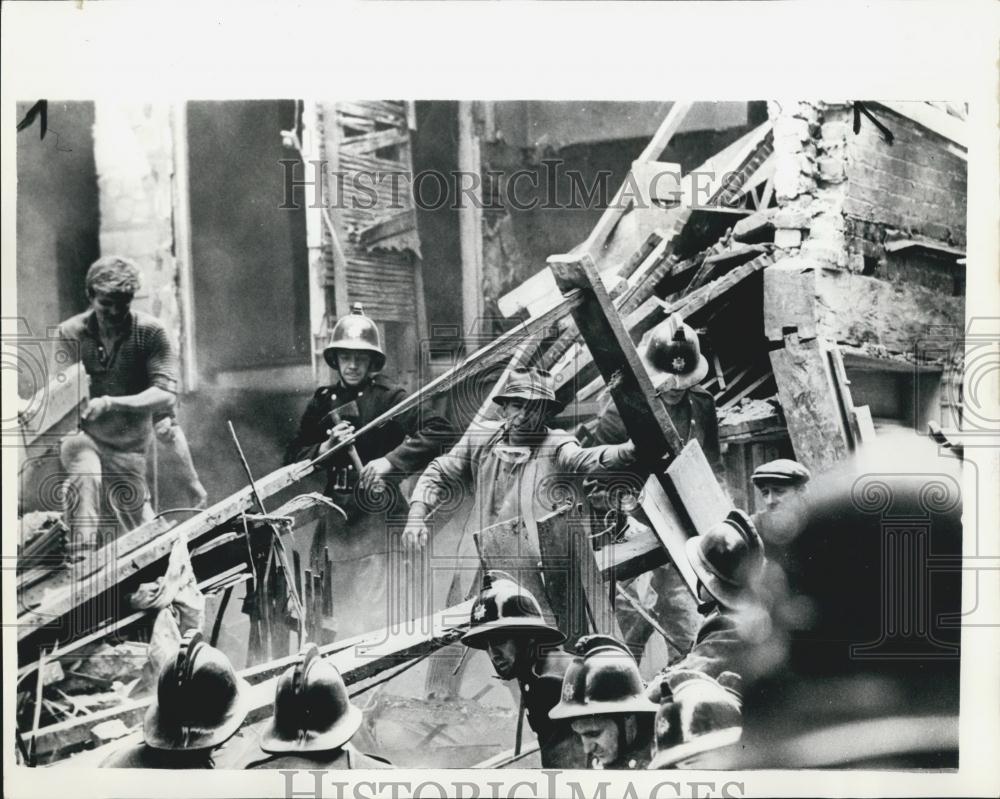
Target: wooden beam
(806, 393)
(60, 601)
(333, 135)
(539, 291)
(611, 347)
(641, 551)
(691, 492)
(470, 226)
(357, 659)
(63, 395)
(651, 152)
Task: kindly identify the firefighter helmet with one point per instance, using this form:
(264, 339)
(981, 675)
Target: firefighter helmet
(358, 333)
(312, 711)
(602, 679)
(728, 559)
(673, 350)
(505, 608)
(200, 701)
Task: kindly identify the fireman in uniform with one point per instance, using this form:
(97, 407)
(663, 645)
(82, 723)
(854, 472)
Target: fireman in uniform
(314, 720)
(507, 622)
(200, 704)
(672, 357)
(400, 447)
(604, 699)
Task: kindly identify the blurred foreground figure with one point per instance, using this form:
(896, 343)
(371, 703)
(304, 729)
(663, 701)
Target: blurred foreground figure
(314, 720)
(507, 622)
(700, 695)
(200, 704)
(855, 663)
(603, 696)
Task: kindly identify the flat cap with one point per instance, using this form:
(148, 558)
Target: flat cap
(782, 470)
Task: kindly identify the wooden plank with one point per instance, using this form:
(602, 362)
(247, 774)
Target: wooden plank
(196, 530)
(694, 488)
(376, 140)
(806, 394)
(656, 145)
(64, 395)
(746, 390)
(559, 541)
(357, 659)
(641, 551)
(611, 347)
(507, 546)
(670, 528)
(540, 291)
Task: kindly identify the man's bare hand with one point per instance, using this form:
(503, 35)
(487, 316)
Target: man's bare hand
(165, 429)
(415, 535)
(336, 434)
(96, 408)
(373, 475)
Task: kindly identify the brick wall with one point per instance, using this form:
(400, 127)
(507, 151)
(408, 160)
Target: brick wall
(916, 184)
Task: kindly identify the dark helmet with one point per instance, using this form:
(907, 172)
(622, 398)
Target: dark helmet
(728, 559)
(602, 679)
(505, 607)
(312, 711)
(356, 332)
(673, 350)
(530, 384)
(200, 701)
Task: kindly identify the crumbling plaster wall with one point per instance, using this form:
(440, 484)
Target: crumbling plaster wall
(842, 195)
(134, 156)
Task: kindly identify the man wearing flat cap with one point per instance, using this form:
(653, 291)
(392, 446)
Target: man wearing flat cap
(782, 490)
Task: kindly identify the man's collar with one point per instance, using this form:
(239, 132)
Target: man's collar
(91, 326)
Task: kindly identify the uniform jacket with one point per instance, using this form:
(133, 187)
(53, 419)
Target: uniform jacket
(408, 441)
(694, 416)
(559, 746)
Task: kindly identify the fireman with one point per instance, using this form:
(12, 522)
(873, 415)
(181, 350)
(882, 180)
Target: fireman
(314, 720)
(200, 704)
(371, 498)
(507, 622)
(604, 699)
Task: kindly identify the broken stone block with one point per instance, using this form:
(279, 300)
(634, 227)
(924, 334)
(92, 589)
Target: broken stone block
(831, 169)
(787, 238)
